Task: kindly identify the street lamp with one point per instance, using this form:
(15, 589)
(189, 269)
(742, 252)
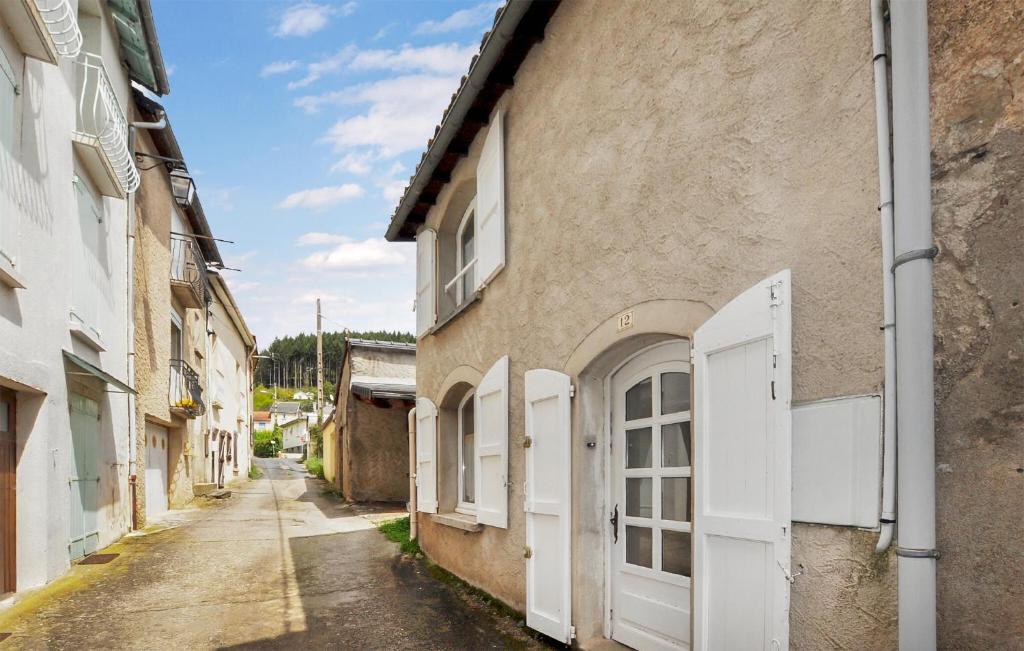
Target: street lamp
(182, 186)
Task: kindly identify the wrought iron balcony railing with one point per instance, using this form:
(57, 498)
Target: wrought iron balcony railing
(188, 271)
(62, 25)
(102, 124)
(186, 394)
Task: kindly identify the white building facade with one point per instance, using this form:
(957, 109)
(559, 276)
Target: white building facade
(67, 176)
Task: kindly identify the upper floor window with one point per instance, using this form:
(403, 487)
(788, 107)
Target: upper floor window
(8, 95)
(467, 248)
(466, 255)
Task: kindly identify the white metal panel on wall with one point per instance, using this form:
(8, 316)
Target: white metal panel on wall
(491, 412)
(742, 373)
(837, 461)
(426, 456)
(156, 469)
(426, 272)
(490, 203)
(548, 503)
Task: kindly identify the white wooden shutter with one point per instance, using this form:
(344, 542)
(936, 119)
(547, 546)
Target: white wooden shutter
(491, 411)
(426, 456)
(547, 504)
(490, 203)
(742, 361)
(426, 271)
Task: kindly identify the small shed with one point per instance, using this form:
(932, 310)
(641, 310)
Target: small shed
(370, 442)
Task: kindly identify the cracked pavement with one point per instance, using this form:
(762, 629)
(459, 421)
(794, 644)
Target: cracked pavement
(278, 565)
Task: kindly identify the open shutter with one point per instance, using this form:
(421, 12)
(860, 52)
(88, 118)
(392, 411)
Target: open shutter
(426, 456)
(742, 361)
(490, 203)
(426, 270)
(491, 410)
(547, 505)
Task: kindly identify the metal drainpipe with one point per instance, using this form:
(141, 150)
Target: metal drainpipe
(412, 474)
(887, 520)
(914, 251)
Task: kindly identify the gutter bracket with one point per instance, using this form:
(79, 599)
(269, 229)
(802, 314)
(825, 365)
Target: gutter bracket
(917, 553)
(915, 254)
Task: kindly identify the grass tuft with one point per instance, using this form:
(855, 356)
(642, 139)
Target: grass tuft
(255, 472)
(315, 466)
(398, 531)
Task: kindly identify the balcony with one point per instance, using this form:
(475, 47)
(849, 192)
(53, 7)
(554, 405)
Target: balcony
(101, 136)
(44, 29)
(188, 272)
(186, 394)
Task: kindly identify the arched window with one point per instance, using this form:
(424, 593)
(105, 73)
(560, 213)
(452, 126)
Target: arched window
(467, 456)
(465, 255)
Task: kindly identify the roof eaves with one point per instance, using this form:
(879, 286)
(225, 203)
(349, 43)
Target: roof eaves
(518, 22)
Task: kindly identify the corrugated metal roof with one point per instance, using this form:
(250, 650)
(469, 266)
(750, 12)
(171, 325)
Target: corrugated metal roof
(384, 391)
(381, 345)
(284, 408)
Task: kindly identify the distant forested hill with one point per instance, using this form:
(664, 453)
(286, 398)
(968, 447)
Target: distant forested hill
(294, 363)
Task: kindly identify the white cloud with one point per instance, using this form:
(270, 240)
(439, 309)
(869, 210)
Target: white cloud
(348, 8)
(444, 59)
(461, 19)
(324, 66)
(353, 164)
(171, 69)
(369, 254)
(303, 19)
(393, 191)
(220, 198)
(279, 67)
(320, 198)
(401, 115)
(319, 239)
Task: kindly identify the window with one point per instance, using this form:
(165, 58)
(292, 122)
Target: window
(8, 94)
(91, 276)
(466, 255)
(467, 456)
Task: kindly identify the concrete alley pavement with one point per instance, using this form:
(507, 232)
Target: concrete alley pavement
(278, 565)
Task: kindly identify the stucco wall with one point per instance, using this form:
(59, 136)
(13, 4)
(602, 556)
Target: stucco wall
(695, 149)
(383, 363)
(156, 215)
(378, 449)
(977, 124)
(229, 359)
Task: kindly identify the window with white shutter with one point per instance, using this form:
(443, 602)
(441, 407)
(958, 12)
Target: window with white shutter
(492, 446)
(426, 456)
(547, 503)
(426, 272)
(490, 203)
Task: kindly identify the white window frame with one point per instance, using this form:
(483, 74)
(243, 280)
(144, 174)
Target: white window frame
(466, 508)
(463, 267)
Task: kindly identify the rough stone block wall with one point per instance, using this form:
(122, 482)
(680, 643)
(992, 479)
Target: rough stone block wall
(379, 449)
(977, 126)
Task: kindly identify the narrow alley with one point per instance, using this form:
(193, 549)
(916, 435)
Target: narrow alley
(278, 565)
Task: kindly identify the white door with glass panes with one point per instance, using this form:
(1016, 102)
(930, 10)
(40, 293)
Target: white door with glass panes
(650, 519)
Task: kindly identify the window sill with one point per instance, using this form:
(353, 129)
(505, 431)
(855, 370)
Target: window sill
(9, 275)
(86, 336)
(472, 300)
(466, 523)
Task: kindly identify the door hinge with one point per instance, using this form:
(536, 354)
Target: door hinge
(572, 390)
(775, 293)
(527, 552)
(528, 442)
(572, 633)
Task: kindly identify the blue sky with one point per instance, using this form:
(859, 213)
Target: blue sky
(301, 123)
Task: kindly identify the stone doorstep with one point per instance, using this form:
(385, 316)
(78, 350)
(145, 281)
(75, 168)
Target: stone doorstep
(220, 494)
(203, 489)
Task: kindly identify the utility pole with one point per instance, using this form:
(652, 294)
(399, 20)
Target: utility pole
(319, 369)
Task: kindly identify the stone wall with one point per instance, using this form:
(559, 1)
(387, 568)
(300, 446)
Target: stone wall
(977, 126)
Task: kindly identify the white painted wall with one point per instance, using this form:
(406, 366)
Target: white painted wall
(43, 234)
(229, 378)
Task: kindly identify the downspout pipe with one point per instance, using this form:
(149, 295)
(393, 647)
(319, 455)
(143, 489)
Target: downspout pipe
(887, 519)
(914, 251)
(412, 474)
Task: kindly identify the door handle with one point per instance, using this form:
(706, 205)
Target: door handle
(614, 520)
